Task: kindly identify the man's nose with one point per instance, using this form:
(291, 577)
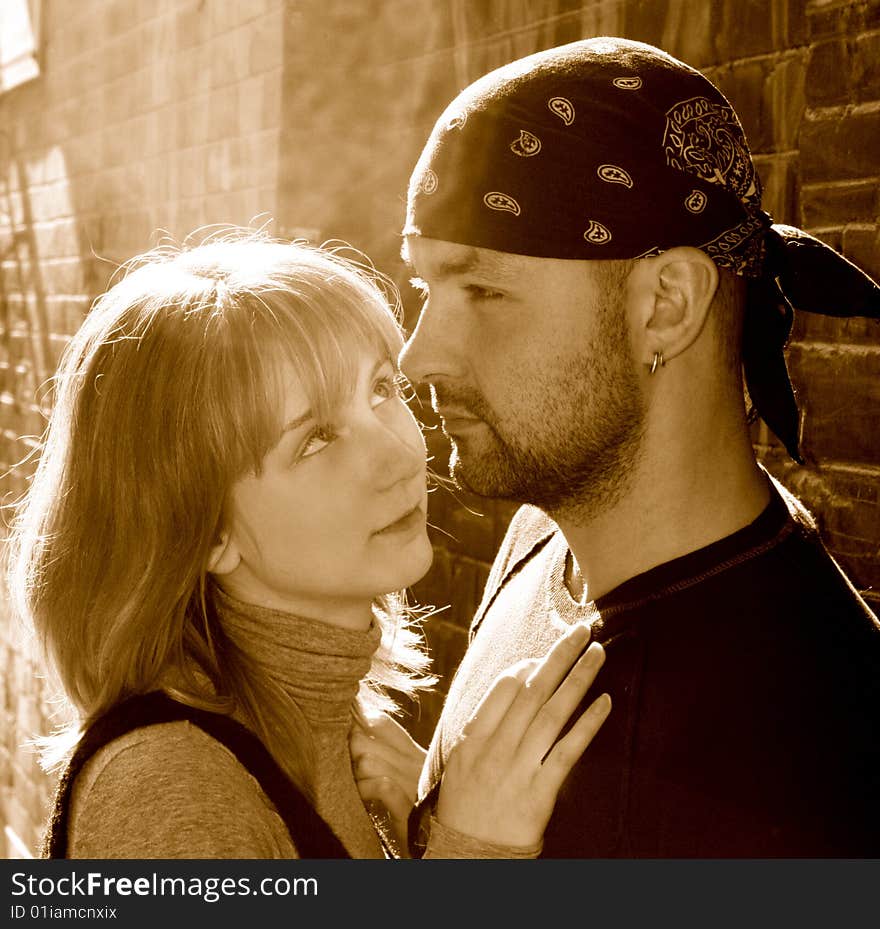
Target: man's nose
(434, 350)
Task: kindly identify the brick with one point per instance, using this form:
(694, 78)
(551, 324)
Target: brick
(465, 591)
(192, 119)
(866, 77)
(861, 244)
(219, 167)
(62, 276)
(779, 178)
(784, 101)
(471, 524)
(191, 73)
(447, 643)
(265, 44)
(228, 58)
(845, 505)
(840, 146)
(754, 27)
(828, 19)
(857, 330)
(420, 724)
(743, 85)
(223, 113)
(434, 588)
(687, 29)
(830, 72)
(840, 203)
(838, 389)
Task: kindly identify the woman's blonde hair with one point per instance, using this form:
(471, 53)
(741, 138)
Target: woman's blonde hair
(167, 394)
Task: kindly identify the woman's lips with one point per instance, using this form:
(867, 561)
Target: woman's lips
(409, 521)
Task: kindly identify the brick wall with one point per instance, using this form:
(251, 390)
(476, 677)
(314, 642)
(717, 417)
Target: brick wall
(146, 116)
(173, 115)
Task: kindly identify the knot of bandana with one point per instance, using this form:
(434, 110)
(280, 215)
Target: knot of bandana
(613, 149)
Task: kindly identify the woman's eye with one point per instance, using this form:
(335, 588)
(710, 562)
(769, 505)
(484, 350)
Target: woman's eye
(388, 386)
(317, 442)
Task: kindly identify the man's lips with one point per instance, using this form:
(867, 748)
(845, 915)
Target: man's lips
(456, 420)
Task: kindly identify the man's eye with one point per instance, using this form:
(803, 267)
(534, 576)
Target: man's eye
(478, 292)
(317, 442)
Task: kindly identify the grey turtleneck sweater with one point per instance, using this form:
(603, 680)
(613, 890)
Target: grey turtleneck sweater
(171, 791)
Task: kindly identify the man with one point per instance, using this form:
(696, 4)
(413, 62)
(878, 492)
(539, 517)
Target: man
(586, 226)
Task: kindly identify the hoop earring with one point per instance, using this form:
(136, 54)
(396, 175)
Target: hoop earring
(658, 362)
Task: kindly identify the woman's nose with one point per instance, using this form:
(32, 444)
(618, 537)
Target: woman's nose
(396, 450)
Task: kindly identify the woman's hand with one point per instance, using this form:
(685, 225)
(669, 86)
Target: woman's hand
(387, 764)
(503, 775)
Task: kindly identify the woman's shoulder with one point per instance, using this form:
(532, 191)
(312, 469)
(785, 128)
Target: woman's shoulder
(170, 790)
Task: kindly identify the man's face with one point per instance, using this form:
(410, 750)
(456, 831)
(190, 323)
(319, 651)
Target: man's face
(531, 371)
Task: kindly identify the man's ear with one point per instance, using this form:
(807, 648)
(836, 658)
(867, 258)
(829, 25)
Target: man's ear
(225, 556)
(676, 290)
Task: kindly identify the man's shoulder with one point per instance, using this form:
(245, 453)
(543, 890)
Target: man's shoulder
(803, 560)
(526, 533)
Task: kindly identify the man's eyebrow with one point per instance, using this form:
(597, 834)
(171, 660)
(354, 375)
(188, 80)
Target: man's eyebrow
(469, 262)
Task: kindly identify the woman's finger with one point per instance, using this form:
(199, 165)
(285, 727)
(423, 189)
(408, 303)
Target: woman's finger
(389, 732)
(556, 713)
(491, 710)
(544, 680)
(564, 755)
(385, 741)
(369, 767)
(379, 791)
(385, 791)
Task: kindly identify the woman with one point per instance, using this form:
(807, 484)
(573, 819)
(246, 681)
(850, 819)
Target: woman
(230, 496)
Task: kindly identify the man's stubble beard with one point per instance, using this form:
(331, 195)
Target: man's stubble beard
(572, 447)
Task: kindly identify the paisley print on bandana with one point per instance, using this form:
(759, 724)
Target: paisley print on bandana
(526, 145)
(627, 83)
(563, 108)
(614, 174)
(704, 138)
(496, 200)
(597, 234)
(727, 249)
(696, 201)
(429, 182)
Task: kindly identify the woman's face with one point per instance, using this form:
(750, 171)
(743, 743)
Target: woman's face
(337, 514)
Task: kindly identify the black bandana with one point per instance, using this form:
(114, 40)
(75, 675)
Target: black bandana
(612, 149)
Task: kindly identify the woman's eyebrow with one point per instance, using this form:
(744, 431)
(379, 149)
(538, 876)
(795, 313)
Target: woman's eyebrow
(303, 418)
(297, 422)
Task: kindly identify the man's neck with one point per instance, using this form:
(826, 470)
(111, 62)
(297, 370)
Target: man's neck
(669, 509)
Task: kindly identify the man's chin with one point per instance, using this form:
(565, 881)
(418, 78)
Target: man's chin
(477, 474)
